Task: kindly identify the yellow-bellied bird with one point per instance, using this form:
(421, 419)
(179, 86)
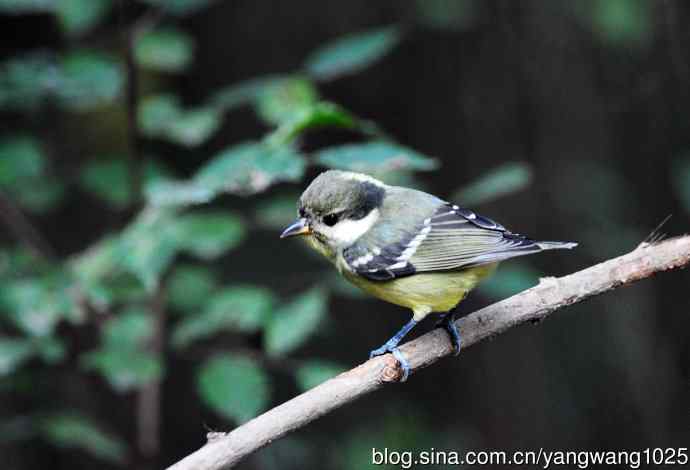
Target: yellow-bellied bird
(405, 246)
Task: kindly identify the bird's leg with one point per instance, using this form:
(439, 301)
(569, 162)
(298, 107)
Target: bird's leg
(447, 321)
(392, 346)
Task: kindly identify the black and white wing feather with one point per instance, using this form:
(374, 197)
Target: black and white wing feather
(451, 238)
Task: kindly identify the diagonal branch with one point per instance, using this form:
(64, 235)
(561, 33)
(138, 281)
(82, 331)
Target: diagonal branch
(226, 450)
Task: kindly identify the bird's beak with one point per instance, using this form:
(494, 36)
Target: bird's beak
(299, 227)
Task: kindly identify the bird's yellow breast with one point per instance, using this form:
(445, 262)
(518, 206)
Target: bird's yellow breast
(422, 292)
(425, 292)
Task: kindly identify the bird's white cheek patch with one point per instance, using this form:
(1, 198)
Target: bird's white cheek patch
(346, 232)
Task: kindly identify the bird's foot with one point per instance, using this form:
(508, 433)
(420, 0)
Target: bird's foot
(392, 348)
(447, 322)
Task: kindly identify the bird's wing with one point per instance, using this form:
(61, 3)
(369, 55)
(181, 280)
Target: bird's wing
(451, 238)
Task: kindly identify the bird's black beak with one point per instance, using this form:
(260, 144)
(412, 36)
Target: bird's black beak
(299, 227)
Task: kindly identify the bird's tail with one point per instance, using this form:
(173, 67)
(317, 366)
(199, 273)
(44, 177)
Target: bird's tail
(556, 245)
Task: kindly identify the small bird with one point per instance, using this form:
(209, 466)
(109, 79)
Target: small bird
(405, 246)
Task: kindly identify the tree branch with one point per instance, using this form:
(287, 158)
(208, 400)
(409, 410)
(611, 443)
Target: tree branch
(226, 450)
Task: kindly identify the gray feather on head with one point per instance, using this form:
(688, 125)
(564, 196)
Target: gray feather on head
(352, 194)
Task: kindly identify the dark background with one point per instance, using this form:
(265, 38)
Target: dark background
(596, 108)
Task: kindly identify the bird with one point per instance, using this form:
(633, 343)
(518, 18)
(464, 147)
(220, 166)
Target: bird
(405, 246)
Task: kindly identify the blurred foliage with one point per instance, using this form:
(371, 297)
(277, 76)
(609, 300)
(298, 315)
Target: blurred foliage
(236, 387)
(110, 179)
(377, 158)
(70, 430)
(278, 211)
(181, 237)
(79, 16)
(351, 53)
(243, 309)
(23, 166)
(162, 117)
(622, 22)
(117, 275)
(79, 80)
(312, 373)
(290, 325)
(167, 50)
(122, 357)
(501, 181)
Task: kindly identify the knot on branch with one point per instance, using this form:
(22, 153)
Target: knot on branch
(392, 372)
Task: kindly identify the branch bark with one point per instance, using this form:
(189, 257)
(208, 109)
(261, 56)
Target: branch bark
(223, 451)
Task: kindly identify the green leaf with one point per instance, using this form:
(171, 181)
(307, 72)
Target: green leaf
(500, 181)
(25, 82)
(322, 114)
(13, 353)
(21, 160)
(128, 330)
(148, 245)
(21, 7)
(377, 157)
(97, 261)
(681, 181)
(190, 287)
(156, 113)
(280, 101)
(251, 167)
(352, 53)
(193, 127)
(180, 7)
(177, 193)
(37, 305)
(161, 116)
(278, 211)
(245, 92)
(123, 369)
(509, 280)
(88, 79)
(291, 326)
(108, 180)
(69, 430)
(79, 16)
(210, 233)
(241, 308)
(24, 174)
(314, 372)
(166, 49)
(235, 387)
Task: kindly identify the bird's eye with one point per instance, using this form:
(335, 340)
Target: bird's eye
(330, 219)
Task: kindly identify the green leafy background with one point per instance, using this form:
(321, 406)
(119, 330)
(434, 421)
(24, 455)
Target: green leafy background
(151, 152)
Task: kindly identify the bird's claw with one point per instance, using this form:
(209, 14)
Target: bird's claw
(448, 324)
(385, 349)
(393, 349)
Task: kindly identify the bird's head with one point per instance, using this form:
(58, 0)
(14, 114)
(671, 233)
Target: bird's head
(337, 208)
